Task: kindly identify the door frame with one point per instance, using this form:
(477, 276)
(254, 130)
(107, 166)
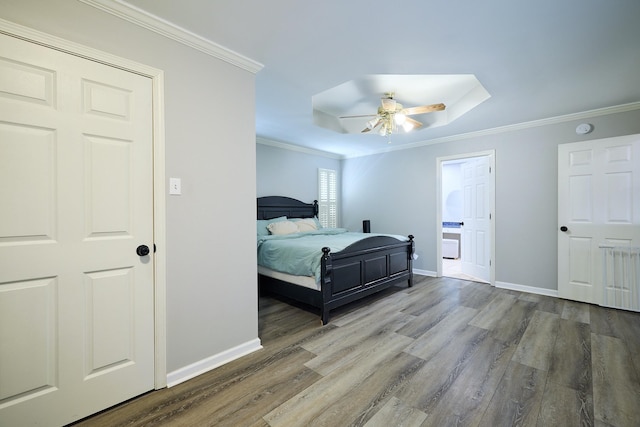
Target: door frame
(492, 207)
(159, 206)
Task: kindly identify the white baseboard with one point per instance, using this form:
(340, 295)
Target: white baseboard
(529, 289)
(183, 374)
(503, 285)
(424, 272)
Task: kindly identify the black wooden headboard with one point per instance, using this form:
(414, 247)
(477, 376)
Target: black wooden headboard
(275, 206)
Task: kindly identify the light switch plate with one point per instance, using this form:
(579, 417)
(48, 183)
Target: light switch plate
(175, 186)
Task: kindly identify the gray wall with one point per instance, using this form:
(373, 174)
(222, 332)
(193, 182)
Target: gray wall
(211, 275)
(284, 172)
(397, 191)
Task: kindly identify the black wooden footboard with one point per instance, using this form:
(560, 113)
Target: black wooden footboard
(366, 267)
(362, 269)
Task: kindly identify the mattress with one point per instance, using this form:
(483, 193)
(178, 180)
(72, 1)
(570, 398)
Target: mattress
(305, 281)
(300, 254)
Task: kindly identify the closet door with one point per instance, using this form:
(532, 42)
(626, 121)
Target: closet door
(76, 187)
(598, 203)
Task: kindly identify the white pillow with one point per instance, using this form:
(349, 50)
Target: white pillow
(308, 224)
(282, 227)
(314, 219)
(262, 224)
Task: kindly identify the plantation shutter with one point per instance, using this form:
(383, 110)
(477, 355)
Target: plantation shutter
(328, 198)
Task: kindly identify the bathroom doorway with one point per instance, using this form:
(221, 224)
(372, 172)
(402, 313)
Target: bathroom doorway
(465, 226)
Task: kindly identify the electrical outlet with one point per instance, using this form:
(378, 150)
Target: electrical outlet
(175, 186)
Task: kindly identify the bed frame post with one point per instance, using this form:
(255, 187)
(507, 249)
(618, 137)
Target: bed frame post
(410, 260)
(326, 269)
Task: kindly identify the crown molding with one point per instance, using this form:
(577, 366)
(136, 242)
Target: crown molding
(44, 39)
(167, 29)
(298, 148)
(510, 128)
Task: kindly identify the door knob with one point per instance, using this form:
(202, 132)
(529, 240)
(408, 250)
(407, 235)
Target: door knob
(142, 250)
(564, 228)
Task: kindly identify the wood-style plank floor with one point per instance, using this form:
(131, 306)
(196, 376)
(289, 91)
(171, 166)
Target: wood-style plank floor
(445, 352)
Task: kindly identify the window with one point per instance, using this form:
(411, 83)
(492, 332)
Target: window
(328, 197)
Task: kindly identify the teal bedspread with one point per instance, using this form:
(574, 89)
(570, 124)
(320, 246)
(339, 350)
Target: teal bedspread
(299, 254)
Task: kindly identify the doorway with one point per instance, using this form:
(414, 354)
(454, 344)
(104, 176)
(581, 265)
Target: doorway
(465, 227)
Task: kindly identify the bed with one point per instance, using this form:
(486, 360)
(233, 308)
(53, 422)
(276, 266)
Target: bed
(371, 263)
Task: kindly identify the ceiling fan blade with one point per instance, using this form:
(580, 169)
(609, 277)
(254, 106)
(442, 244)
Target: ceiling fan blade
(370, 128)
(351, 117)
(423, 109)
(416, 124)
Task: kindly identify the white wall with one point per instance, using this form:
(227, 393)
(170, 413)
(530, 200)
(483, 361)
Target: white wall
(397, 191)
(452, 201)
(211, 271)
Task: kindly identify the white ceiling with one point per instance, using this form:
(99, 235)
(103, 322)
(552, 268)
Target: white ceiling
(537, 59)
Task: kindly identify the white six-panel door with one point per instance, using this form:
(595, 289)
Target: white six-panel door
(76, 195)
(598, 203)
(476, 232)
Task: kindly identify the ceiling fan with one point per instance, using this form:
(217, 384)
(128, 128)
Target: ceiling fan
(392, 114)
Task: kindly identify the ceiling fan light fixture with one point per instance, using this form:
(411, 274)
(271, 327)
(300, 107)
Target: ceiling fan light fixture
(407, 126)
(399, 118)
(389, 104)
